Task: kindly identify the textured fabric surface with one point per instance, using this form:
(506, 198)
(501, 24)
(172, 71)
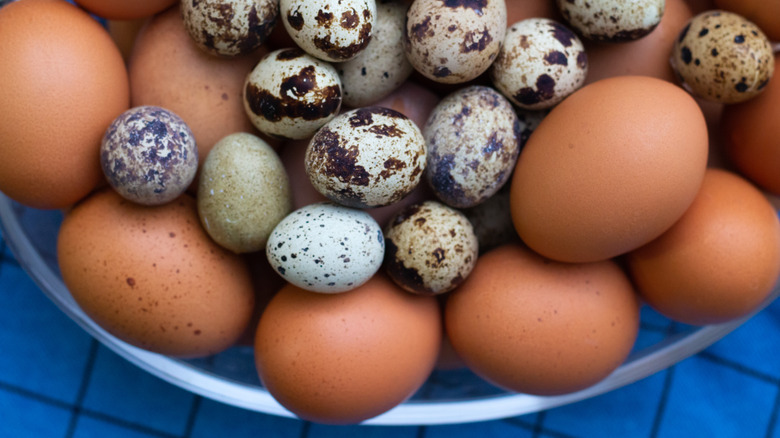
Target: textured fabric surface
(56, 381)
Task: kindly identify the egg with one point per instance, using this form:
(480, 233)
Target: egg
(290, 94)
(149, 155)
(331, 31)
(243, 193)
(124, 10)
(492, 221)
(64, 81)
(229, 27)
(610, 168)
(454, 41)
(473, 142)
(167, 69)
(368, 157)
(540, 63)
(431, 248)
(536, 326)
(382, 66)
(152, 277)
(766, 14)
(328, 248)
(752, 132)
(719, 262)
(723, 57)
(345, 358)
(610, 20)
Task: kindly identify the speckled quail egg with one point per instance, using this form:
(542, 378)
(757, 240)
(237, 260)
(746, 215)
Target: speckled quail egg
(431, 248)
(325, 247)
(229, 27)
(334, 31)
(723, 57)
(473, 142)
(368, 157)
(148, 155)
(612, 20)
(540, 63)
(243, 192)
(382, 66)
(290, 94)
(454, 41)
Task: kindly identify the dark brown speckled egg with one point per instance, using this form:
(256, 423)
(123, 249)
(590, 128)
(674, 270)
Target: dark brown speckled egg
(612, 20)
(229, 27)
(149, 155)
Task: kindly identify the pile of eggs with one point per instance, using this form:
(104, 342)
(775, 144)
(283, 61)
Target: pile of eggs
(365, 191)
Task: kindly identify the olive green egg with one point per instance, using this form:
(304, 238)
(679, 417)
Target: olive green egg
(243, 192)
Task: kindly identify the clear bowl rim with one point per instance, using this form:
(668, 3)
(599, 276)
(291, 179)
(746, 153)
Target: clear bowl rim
(188, 377)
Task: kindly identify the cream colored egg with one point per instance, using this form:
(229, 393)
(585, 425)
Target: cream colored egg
(454, 41)
(331, 31)
(612, 20)
(723, 57)
(290, 94)
(431, 248)
(382, 66)
(369, 157)
(540, 63)
(229, 27)
(243, 192)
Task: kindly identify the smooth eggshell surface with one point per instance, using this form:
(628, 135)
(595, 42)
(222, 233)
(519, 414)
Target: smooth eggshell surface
(537, 326)
(125, 10)
(152, 277)
(347, 357)
(719, 262)
(608, 169)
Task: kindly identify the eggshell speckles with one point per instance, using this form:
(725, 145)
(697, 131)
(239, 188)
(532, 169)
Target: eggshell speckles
(454, 41)
(326, 248)
(290, 94)
(473, 142)
(723, 57)
(382, 66)
(540, 63)
(611, 20)
(431, 248)
(148, 155)
(331, 31)
(369, 157)
(243, 192)
(229, 27)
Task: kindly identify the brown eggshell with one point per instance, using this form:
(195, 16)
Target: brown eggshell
(344, 358)
(752, 132)
(765, 13)
(64, 81)
(168, 70)
(152, 277)
(532, 325)
(609, 169)
(719, 261)
(125, 10)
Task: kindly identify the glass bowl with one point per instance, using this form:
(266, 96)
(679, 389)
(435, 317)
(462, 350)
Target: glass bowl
(449, 396)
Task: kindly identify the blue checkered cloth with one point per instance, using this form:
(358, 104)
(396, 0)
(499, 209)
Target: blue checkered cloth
(57, 381)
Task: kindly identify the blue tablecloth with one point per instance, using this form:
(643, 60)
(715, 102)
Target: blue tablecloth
(57, 381)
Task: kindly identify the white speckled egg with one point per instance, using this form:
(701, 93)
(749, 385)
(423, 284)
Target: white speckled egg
(229, 27)
(473, 142)
(148, 155)
(243, 192)
(290, 94)
(723, 57)
(382, 66)
(612, 20)
(454, 41)
(326, 248)
(334, 31)
(368, 157)
(540, 63)
(431, 248)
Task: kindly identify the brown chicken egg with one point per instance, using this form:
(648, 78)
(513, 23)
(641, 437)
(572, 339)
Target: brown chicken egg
(152, 277)
(609, 169)
(125, 10)
(765, 13)
(719, 262)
